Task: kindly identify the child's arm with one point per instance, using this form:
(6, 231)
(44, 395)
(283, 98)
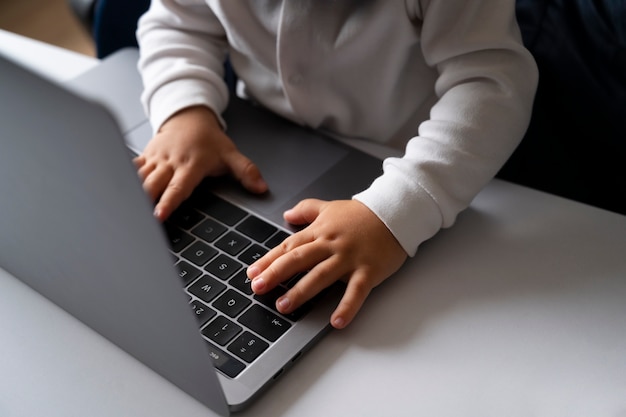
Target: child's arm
(183, 47)
(188, 147)
(344, 240)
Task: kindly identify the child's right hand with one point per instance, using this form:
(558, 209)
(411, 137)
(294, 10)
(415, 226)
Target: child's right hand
(189, 146)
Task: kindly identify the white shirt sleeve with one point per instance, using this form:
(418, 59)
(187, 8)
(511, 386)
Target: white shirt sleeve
(183, 47)
(485, 90)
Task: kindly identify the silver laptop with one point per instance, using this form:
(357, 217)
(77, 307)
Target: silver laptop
(76, 226)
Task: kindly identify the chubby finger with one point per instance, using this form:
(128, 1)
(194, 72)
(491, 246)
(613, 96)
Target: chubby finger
(296, 240)
(305, 212)
(156, 181)
(285, 266)
(139, 161)
(178, 189)
(145, 169)
(288, 244)
(246, 172)
(357, 291)
(317, 279)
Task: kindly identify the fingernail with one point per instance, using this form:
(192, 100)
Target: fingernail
(260, 185)
(258, 284)
(339, 323)
(283, 303)
(253, 271)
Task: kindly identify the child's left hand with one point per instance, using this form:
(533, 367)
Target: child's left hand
(344, 240)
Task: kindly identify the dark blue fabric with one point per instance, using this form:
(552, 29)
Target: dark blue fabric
(576, 143)
(115, 23)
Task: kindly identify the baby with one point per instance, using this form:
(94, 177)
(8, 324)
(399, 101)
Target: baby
(447, 80)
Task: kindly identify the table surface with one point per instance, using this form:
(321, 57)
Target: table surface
(517, 310)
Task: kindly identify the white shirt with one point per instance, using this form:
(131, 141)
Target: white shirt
(448, 79)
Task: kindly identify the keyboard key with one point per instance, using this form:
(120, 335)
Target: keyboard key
(199, 253)
(252, 254)
(269, 300)
(291, 282)
(264, 322)
(178, 238)
(225, 362)
(202, 312)
(185, 217)
(232, 243)
(256, 228)
(187, 272)
(218, 208)
(223, 267)
(208, 230)
(242, 282)
(248, 346)
(206, 288)
(277, 239)
(231, 303)
(221, 330)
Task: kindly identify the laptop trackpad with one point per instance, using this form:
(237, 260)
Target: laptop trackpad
(290, 157)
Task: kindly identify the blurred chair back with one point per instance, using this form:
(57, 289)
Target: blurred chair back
(115, 23)
(576, 142)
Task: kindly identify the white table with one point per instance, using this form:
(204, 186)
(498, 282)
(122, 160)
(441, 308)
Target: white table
(518, 310)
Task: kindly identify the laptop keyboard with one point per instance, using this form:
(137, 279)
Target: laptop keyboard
(213, 242)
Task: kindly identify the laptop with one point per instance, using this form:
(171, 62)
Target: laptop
(76, 226)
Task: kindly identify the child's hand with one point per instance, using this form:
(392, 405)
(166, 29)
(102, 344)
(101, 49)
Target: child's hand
(188, 147)
(344, 240)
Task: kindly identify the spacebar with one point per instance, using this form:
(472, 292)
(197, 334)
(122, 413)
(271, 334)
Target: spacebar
(224, 362)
